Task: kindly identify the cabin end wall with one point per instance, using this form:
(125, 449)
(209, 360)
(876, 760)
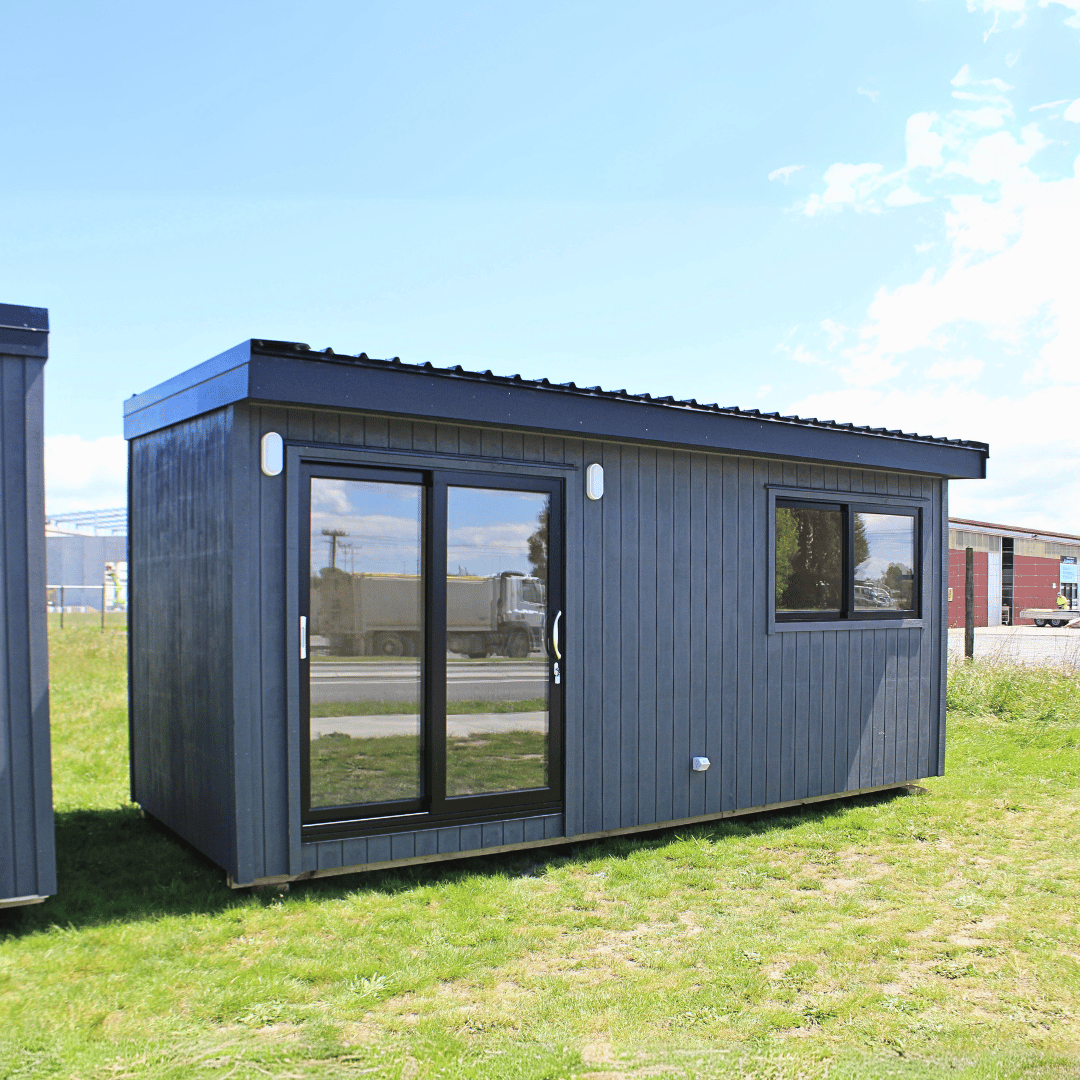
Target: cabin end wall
(27, 836)
(181, 631)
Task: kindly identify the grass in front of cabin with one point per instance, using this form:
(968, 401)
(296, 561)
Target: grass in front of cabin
(899, 936)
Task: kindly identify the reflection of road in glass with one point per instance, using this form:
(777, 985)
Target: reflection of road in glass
(364, 725)
(395, 680)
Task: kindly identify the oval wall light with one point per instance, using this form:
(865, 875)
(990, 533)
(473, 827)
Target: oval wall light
(273, 454)
(594, 481)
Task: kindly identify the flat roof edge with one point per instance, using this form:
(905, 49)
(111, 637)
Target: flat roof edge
(309, 381)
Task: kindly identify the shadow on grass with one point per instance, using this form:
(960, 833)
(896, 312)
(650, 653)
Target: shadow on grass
(117, 866)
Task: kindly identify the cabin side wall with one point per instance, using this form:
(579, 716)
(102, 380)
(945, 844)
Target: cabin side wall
(668, 653)
(181, 518)
(27, 845)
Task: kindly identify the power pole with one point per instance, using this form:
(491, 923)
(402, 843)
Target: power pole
(334, 535)
(969, 603)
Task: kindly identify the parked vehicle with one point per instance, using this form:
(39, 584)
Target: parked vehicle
(380, 614)
(1050, 616)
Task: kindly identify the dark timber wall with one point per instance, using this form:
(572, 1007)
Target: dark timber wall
(668, 652)
(27, 852)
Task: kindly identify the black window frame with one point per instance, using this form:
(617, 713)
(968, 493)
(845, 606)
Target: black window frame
(433, 808)
(848, 613)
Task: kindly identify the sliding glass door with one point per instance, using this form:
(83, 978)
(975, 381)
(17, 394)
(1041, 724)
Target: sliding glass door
(430, 687)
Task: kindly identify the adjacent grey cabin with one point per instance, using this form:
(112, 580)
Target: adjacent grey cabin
(27, 839)
(384, 613)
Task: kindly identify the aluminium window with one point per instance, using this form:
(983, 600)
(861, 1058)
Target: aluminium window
(845, 560)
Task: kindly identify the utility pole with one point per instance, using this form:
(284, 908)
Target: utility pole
(969, 603)
(334, 535)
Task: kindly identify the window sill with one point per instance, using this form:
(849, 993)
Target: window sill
(848, 624)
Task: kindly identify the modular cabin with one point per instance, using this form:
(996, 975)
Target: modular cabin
(27, 838)
(384, 613)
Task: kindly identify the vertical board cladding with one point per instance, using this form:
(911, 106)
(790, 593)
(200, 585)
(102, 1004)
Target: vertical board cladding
(27, 847)
(668, 654)
(181, 631)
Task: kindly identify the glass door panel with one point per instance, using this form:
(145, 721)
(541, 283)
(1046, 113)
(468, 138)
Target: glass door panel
(497, 705)
(366, 640)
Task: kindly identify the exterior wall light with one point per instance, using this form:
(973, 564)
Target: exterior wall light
(594, 481)
(700, 764)
(273, 454)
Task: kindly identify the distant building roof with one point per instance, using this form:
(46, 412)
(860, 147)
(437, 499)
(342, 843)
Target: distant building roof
(111, 522)
(1011, 530)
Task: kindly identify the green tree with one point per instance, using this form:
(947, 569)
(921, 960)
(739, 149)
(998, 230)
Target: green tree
(813, 571)
(538, 545)
(862, 545)
(787, 549)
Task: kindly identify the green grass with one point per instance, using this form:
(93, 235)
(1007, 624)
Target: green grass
(878, 937)
(345, 770)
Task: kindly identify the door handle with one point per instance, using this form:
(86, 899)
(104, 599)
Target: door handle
(303, 637)
(555, 635)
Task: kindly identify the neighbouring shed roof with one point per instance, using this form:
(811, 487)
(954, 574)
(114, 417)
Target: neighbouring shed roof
(291, 373)
(24, 331)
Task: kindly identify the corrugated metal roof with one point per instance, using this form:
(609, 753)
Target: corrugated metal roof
(458, 372)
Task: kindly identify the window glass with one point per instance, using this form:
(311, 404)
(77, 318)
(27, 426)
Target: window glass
(366, 640)
(884, 559)
(809, 559)
(496, 668)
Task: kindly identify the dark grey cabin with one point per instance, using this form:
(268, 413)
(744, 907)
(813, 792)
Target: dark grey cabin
(27, 843)
(384, 613)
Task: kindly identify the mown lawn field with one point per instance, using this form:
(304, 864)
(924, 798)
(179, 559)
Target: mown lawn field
(902, 936)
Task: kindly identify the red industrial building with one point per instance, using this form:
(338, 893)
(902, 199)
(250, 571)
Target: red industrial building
(1015, 569)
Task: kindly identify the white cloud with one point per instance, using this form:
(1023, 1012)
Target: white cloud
(784, 173)
(764, 390)
(873, 95)
(955, 370)
(1049, 105)
(1004, 287)
(85, 474)
(905, 196)
(1072, 113)
(847, 185)
(924, 146)
(988, 117)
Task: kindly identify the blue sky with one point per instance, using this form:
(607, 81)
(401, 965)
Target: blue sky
(864, 212)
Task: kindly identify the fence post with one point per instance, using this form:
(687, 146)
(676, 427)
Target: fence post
(969, 603)
(103, 607)
(61, 607)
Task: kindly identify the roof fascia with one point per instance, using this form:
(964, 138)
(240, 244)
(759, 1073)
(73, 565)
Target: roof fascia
(220, 381)
(241, 374)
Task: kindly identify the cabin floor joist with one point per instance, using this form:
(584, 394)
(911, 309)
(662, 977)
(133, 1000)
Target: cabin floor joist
(383, 614)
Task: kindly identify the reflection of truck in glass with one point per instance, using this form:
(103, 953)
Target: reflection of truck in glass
(380, 614)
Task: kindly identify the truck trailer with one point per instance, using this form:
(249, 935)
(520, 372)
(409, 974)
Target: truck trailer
(371, 614)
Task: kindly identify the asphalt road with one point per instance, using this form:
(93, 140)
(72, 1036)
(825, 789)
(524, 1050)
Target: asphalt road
(398, 680)
(1038, 645)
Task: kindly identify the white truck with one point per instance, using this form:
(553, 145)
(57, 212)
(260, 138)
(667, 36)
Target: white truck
(380, 614)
